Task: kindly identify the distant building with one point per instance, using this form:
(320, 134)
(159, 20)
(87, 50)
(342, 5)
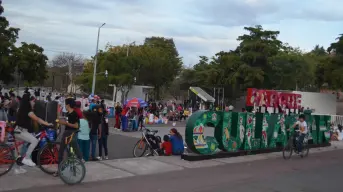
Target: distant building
(137, 91)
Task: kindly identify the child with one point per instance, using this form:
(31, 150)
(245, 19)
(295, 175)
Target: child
(83, 136)
(166, 146)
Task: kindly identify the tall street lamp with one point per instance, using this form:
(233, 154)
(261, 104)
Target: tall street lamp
(96, 59)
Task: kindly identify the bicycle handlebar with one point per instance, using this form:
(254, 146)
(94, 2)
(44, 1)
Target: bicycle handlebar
(151, 131)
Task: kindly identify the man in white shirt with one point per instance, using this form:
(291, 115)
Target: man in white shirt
(303, 129)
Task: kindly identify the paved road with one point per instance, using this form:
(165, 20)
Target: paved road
(120, 146)
(320, 172)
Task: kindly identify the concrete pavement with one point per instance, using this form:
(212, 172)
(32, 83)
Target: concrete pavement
(120, 146)
(174, 174)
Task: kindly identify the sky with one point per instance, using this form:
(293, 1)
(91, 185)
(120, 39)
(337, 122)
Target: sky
(198, 27)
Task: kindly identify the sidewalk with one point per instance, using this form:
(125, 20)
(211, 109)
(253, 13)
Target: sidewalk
(121, 168)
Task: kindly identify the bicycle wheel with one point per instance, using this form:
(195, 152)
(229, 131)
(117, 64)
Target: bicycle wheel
(6, 159)
(287, 150)
(140, 148)
(305, 150)
(72, 171)
(47, 158)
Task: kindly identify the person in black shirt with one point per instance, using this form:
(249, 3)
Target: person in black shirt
(95, 133)
(24, 127)
(103, 133)
(117, 111)
(71, 124)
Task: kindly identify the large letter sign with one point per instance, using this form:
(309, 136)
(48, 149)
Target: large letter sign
(251, 133)
(231, 134)
(195, 128)
(245, 131)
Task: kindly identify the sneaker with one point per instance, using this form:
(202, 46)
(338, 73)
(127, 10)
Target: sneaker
(99, 158)
(19, 170)
(106, 157)
(28, 162)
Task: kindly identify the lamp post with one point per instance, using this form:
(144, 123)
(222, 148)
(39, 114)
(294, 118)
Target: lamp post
(96, 59)
(128, 48)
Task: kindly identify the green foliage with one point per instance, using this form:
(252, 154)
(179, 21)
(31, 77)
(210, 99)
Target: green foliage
(31, 62)
(29, 58)
(261, 60)
(154, 63)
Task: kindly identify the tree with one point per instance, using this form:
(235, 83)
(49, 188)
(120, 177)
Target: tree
(154, 63)
(8, 38)
(119, 68)
(27, 60)
(31, 62)
(333, 69)
(255, 49)
(319, 51)
(337, 47)
(263, 61)
(292, 71)
(68, 63)
(163, 62)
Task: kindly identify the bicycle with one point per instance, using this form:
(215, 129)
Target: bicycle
(149, 142)
(7, 151)
(292, 145)
(69, 165)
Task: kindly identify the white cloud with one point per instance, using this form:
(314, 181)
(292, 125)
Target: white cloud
(199, 27)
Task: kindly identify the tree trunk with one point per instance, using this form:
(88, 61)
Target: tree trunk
(53, 82)
(157, 93)
(115, 94)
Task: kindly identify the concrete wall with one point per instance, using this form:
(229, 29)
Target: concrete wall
(136, 91)
(321, 103)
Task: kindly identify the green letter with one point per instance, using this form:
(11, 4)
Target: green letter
(196, 124)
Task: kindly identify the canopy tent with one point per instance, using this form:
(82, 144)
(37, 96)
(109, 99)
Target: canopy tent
(135, 102)
(202, 94)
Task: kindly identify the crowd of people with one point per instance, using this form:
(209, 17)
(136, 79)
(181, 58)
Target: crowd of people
(153, 113)
(89, 117)
(91, 124)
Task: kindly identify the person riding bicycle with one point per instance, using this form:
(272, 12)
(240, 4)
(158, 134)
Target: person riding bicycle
(71, 123)
(302, 125)
(24, 126)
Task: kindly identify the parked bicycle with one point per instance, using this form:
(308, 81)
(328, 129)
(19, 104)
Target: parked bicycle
(46, 142)
(292, 145)
(72, 169)
(148, 145)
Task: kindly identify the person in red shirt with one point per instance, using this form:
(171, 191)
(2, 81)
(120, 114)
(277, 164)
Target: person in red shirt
(166, 146)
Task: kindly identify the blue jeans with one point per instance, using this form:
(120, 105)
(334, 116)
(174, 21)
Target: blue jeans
(84, 147)
(124, 123)
(301, 138)
(94, 139)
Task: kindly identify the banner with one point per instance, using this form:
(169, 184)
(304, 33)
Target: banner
(271, 98)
